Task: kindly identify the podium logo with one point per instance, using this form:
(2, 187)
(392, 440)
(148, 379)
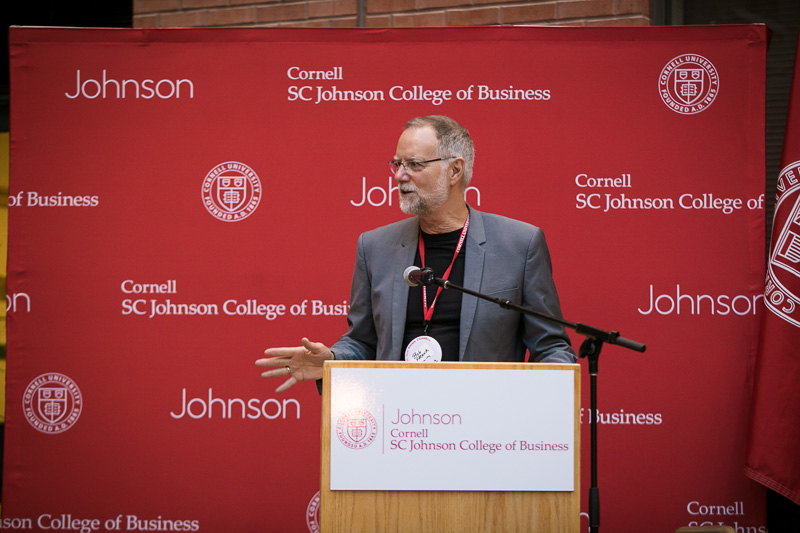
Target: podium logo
(783, 271)
(688, 84)
(356, 428)
(52, 403)
(231, 191)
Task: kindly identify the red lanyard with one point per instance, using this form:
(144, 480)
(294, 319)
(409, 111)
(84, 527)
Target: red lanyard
(427, 312)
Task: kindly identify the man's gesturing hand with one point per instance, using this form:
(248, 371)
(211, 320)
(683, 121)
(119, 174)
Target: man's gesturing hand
(300, 363)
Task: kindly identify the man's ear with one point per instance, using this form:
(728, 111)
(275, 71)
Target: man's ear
(456, 171)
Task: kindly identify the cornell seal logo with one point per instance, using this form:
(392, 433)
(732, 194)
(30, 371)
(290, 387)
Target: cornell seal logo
(688, 84)
(231, 191)
(52, 403)
(781, 294)
(356, 428)
(312, 513)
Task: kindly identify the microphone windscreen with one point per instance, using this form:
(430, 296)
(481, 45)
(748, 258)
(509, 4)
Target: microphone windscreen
(406, 276)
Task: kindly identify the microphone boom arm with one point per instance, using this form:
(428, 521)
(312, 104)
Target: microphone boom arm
(608, 337)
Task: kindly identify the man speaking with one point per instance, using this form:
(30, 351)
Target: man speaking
(497, 256)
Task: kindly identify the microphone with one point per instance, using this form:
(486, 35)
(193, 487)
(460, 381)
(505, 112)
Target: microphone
(415, 276)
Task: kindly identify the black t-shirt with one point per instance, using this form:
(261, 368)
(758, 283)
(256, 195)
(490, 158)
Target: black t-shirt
(446, 321)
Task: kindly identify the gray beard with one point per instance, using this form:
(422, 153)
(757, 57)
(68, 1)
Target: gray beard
(417, 205)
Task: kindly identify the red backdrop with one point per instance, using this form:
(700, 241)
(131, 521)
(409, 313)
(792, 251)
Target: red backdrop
(135, 312)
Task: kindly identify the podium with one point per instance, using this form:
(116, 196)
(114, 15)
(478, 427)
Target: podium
(437, 447)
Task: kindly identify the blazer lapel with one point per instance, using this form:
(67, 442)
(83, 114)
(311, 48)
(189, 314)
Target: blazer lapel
(403, 258)
(473, 274)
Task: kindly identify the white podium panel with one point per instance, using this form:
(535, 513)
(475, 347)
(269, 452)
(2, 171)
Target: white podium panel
(448, 428)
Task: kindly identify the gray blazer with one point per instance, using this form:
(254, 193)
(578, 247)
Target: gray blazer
(504, 258)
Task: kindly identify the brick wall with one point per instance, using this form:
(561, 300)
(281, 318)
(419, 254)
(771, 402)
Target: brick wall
(387, 13)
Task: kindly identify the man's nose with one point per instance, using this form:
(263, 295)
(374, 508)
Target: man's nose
(402, 175)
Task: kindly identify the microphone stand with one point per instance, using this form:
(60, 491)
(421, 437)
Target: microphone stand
(590, 349)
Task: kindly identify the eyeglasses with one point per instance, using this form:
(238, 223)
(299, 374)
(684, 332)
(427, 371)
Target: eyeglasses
(413, 166)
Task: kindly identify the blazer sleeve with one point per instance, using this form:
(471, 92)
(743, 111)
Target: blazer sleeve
(546, 341)
(361, 339)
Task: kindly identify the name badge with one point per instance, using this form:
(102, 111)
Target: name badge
(424, 349)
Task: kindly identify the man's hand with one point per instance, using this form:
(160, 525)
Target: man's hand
(300, 363)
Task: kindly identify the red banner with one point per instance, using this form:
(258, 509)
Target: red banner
(183, 199)
(774, 440)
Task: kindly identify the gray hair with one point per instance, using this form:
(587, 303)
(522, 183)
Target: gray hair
(454, 139)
